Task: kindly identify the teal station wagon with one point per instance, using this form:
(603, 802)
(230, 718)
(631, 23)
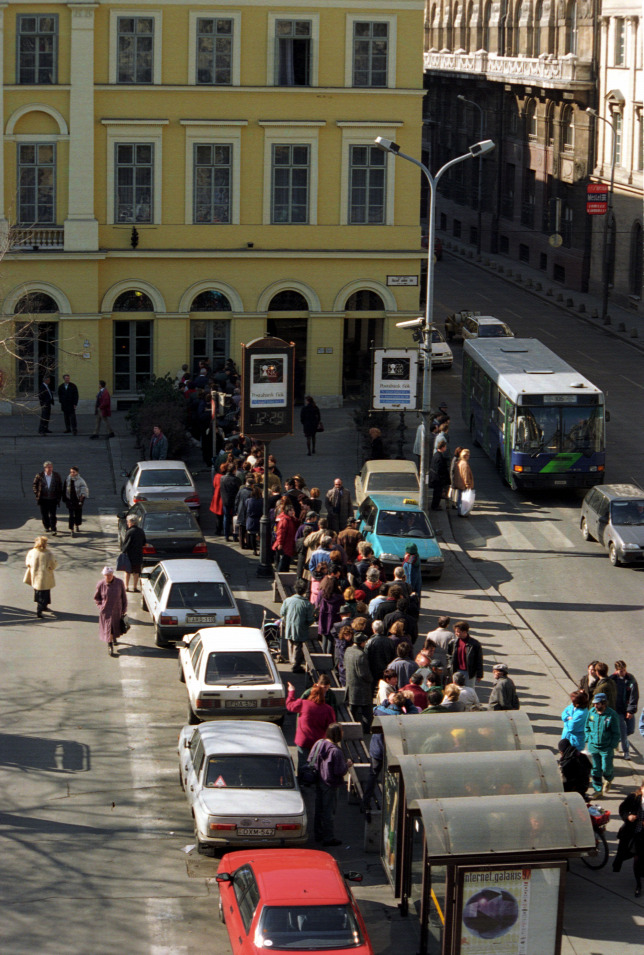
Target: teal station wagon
(389, 523)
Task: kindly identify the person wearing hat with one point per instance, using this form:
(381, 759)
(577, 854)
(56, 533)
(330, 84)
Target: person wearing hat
(349, 538)
(411, 566)
(601, 736)
(359, 687)
(111, 599)
(504, 692)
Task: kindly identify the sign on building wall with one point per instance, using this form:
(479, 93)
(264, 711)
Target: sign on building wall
(395, 377)
(596, 199)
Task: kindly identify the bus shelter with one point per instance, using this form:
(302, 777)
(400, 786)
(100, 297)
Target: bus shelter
(493, 871)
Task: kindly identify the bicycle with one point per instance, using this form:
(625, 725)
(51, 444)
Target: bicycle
(597, 858)
(272, 631)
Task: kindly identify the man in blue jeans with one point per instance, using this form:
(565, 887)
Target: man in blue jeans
(332, 767)
(628, 695)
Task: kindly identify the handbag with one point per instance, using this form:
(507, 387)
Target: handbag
(123, 563)
(124, 624)
(320, 426)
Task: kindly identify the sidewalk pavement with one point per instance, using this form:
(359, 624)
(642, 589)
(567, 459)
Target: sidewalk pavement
(624, 323)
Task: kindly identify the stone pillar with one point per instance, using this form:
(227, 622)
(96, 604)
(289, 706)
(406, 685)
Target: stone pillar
(4, 224)
(81, 227)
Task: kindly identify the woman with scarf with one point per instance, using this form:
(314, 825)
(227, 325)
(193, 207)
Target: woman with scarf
(75, 493)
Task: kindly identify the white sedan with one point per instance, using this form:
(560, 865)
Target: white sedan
(160, 481)
(241, 787)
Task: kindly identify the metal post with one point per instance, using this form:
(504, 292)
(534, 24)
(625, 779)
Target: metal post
(265, 568)
(479, 188)
(608, 237)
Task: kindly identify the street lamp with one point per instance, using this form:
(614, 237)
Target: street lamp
(609, 214)
(478, 149)
(471, 102)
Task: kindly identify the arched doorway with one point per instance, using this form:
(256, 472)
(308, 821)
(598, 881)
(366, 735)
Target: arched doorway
(291, 328)
(36, 342)
(132, 343)
(363, 329)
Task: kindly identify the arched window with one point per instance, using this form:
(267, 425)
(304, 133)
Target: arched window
(531, 119)
(210, 301)
(364, 300)
(567, 129)
(637, 261)
(133, 301)
(34, 303)
(571, 27)
(536, 33)
(288, 301)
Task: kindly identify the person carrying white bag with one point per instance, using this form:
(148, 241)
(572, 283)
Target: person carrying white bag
(464, 484)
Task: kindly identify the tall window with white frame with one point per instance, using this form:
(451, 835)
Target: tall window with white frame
(367, 181)
(214, 51)
(212, 182)
(37, 49)
(370, 53)
(134, 177)
(619, 57)
(293, 52)
(135, 49)
(36, 183)
(290, 184)
(616, 118)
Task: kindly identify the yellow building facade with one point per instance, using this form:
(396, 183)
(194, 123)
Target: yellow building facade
(183, 177)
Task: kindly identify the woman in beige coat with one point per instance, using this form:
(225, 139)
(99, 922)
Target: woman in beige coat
(41, 564)
(463, 477)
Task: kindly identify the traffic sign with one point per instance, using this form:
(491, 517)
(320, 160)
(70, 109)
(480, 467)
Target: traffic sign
(597, 199)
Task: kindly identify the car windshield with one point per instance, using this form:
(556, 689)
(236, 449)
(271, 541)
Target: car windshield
(249, 772)
(387, 481)
(202, 596)
(494, 331)
(559, 429)
(308, 928)
(403, 524)
(164, 478)
(169, 523)
(229, 668)
(437, 336)
(627, 512)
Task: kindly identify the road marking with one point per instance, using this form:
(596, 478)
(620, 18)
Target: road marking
(542, 331)
(554, 534)
(589, 357)
(516, 314)
(630, 380)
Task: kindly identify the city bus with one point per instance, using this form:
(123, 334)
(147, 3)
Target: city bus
(539, 420)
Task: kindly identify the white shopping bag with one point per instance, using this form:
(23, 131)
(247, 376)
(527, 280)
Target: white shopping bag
(467, 501)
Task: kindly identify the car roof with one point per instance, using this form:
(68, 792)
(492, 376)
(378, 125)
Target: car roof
(394, 466)
(157, 507)
(233, 737)
(161, 465)
(487, 320)
(630, 491)
(393, 502)
(232, 638)
(192, 570)
(293, 876)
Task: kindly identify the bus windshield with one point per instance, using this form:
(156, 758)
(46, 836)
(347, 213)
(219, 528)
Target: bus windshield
(559, 429)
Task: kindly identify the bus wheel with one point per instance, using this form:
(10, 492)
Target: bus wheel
(473, 433)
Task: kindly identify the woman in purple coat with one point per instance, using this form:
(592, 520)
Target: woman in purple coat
(111, 600)
(330, 600)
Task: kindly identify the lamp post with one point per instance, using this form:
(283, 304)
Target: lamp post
(470, 102)
(478, 149)
(607, 252)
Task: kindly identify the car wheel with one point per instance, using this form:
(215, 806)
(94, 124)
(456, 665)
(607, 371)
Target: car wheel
(193, 719)
(182, 676)
(159, 641)
(585, 533)
(222, 914)
(123, 497)
(612, 555)
(202, 848)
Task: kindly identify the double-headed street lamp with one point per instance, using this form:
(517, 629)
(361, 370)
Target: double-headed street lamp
(479, 188)
(478, 149)
(608, 251)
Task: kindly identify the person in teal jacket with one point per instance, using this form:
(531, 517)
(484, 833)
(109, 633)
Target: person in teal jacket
(602, 736)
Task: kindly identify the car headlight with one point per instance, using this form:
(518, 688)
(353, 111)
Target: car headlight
(390, 557)
(435, 560)
(631, 546)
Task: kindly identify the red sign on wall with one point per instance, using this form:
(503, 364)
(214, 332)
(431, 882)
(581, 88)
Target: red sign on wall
(597, 199)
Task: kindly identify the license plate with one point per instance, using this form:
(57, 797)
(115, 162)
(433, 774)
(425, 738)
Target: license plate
(197, 618)
(255, 832)
(241, 704)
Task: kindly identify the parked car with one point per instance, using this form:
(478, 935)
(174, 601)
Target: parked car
(160, 481)
(294, 900)
(241, 786)
(184, 595)
(229, 672)
(613, 514)
(171, 530)
(466, 324)
(442, 356)
(388, 523)
(390, 477)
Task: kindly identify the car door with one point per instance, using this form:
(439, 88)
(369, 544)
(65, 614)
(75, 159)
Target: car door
(192, 764)
(247, 899)
(603, 513)
(590, 511)
(131, 484)
(191, 669)
(157, 591)
(368, 513)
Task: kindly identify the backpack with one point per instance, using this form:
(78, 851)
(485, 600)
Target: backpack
(309, 773)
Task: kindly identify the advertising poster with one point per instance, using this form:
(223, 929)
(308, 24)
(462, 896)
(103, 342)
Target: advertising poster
(510, 911)
(395, 376)
(268, 381)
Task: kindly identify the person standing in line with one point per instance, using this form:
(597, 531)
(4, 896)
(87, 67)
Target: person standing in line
(315, 717)
(338, 506)
(297, 614)
(463, 477)
(40, 564)
(68, 401)
(588, 682)
(631, 836)
(48, 489)
(158, 445)
(133, 544)
(574, 719)
(601, 736)
(310, 418)
(453, 467)
(504, 693)
(413, 573)
(286, 527)
(467, 654)
(574, 767)
(439, 473)
(254, 508)
(359, 692)
(228, 488)
(75, 493)
(349, 539)
(240, 511)
(46, 401)
(332, 767)
(626, 703)
(377, 450)
(103, 411)
(111, 600)
(605, 684)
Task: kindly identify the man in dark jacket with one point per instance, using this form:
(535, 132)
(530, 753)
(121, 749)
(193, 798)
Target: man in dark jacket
(68, 400)
(380, 650)
(46, 400)
(467, 654)
(228, 488)
(504, 693)
(626, 702)
(359, 692)
(402, 612)
(438, 474)
(48, 489)
(239, 510)
(388, 605)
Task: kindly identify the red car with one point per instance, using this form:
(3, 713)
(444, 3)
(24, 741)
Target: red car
(294, 900)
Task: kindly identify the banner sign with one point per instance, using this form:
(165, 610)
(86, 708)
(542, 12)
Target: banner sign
(395, 377)
(596, 199)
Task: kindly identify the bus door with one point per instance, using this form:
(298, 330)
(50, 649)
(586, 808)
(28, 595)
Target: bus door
(508, 437)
